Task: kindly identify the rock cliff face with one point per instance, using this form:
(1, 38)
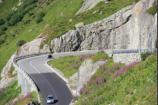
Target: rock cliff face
(129, 28)
(33, 47)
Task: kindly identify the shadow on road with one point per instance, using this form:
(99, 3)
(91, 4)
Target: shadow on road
(51, 84)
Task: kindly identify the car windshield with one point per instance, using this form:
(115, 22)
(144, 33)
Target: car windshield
(50, 97)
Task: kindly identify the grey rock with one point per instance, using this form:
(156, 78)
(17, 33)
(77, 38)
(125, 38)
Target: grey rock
(33, 47)
(5, 79)
(129, 28)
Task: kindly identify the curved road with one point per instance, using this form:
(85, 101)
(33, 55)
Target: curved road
(47, 81)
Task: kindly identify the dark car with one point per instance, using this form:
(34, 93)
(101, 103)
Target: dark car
(50, 56)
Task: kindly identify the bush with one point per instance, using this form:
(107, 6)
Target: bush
(2, 21)
(100, 56)
(84, 90)
(2, 39)
(26, 21)
(20, 43)
(152, 10)
(30, 14)
(39, 17)
(3, 28)
(38, 20)
(145, 55)
(17, 17)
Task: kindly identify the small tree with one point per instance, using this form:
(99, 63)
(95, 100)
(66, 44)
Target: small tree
(39, 17)
(2, 39)
(20, 43)
(145, 55)
(3, 28)
(15, 18)
(152, 10)
(2, 21)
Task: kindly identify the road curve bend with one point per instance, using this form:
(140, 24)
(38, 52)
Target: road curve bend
(49, 82)
(46, 81)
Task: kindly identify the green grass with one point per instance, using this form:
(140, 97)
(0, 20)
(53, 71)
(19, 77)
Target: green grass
(31, 30)
(62, 25)
(6, 7)
(67, 65)
(26, 100)
(70, 64)
(9, 93)
(55, 22)
(137, 86)
(99, 56)
(152, 10)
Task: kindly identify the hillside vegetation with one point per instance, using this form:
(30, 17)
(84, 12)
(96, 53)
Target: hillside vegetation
(115, 84)
(70, 64)
(52, 18)
(9, 93)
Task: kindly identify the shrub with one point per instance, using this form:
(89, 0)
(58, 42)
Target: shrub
(100, 80)
(99, 56)
(9, 16)
(145, 55)
(84, 90)
(124, 69)
(39, 17)
(3, 28)
(20, 43)
(2, 32)
(31, 13)
(2, 39)
(152, 10)
(2, 21)
(17, 17)
(26, 21)
(38, 20)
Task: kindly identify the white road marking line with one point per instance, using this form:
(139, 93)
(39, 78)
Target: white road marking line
(44, 78)
(34, 67)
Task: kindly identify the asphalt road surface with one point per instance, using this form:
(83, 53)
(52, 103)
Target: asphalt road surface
(46, 81)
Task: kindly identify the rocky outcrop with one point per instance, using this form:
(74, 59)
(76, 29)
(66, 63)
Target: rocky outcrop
(5, 79)
(87, 69)
(33, 47)
(129, 28)
(88, 4)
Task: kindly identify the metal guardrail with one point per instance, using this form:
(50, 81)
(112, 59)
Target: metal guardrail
(27, 56)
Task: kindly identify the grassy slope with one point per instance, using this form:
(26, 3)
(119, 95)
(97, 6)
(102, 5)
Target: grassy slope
(30, 31)
(9, 93)
(26, 100)
(6, 7)
(67, 65)
(70, 64)
(56, 22)
(135, 87)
